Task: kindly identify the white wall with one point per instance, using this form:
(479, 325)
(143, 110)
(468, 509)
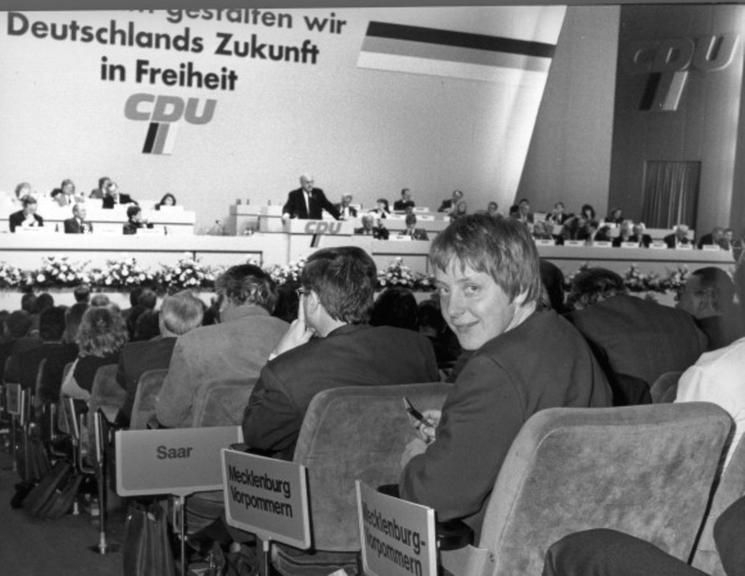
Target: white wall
(361, 131)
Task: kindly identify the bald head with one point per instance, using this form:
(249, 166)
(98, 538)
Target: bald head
(306, 182)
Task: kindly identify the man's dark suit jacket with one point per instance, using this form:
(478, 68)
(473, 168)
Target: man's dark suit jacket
(73, 226)
(110, 202)
(17, 218)
(137, 357)
(295, 205)
(636, 341)
(670, 240)
(352, 210)
(352, 355)
(403, 205)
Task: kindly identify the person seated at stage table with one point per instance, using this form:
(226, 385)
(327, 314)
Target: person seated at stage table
(640, 237)
(460, 210)
(167, 200)
(679, 237)
(372, 226)
(307, 202)
(22, 190)
(713, 237)
(78, 224)
(346, 211)
(709, 297)
(625, 233)
(524, 213)
(100, 192)
(522, 360)
(492, 209)
(113, 196)
(411, 230)
(543, 230)
(557, 214)
(330, 344)
(615, 216)
(100, 338)
(65, 194)
(405, 203)
(381, 210)
(135, 221)
(232, 351)
(448, 205)
(635, 340)
(728, 238)
(27, 216)
(179, 314)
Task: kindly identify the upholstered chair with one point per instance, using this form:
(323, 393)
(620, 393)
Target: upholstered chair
(143, 409)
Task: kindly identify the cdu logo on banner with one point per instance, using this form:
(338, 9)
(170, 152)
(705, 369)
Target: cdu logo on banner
(669, 62)
(164, 114)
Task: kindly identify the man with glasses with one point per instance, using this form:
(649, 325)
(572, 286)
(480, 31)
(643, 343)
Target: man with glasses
(330, 344)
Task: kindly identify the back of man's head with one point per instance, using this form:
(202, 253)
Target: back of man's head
(594, 285)
(28, 302)
(247, 284)
(719, 283)
(52, 323)
(344, 279)
(147, 299)
(44, 300)
(180, 313)
(82, 293)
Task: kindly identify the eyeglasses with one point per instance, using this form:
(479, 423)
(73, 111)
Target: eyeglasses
(300, 291)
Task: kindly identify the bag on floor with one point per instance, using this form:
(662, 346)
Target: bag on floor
(55, 493)
(147, 546)
(31, 456)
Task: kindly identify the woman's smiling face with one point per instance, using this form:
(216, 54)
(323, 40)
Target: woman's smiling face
(473, 304)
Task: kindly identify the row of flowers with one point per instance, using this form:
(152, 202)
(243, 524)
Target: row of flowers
(190, 273)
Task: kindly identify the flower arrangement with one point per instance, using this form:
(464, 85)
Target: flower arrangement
(398, 274)
(10, 276)
(57, 272)
(288, 273)
(126, 273)
(187, 273)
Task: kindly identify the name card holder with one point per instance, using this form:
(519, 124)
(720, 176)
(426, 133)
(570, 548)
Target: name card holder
(267, 497)
(658, 245)
(397, 537)
(173, 461)
(602, 244)
(629, 245)
(574, 243)
(711, 247)
(545, 242)
(688, 246)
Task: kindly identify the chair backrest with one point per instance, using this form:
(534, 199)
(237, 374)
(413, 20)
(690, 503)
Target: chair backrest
(355, 432)
(644, 470)
(665, 387)
(221, 404)
(106, 392)
(730, 488)
(148, 386)
(38, 398)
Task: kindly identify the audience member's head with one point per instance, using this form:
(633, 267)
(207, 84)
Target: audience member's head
(179, 313)
(147, 325)
(134, 295)
(339, 286)
(131, 320)
(82, 293)
(488, 277)
(3, 327)
(73, 318)
(287, 302)
(594, 285)
(429, 318)
(246, 284)
(52, 323)
(18, 323)
(147, 299)
(552, 280)
(98, 300)
(28, 302)
(43, 301)
(709, 291)
(395, 306)
(101, 332)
